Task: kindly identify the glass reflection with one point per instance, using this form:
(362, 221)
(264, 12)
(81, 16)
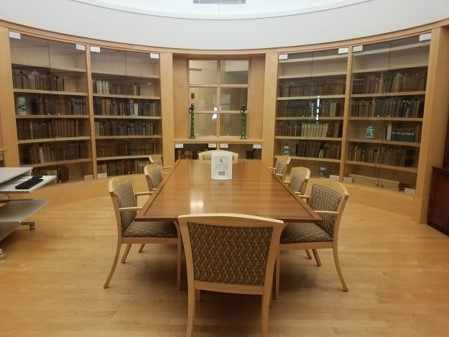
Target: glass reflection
(203, 72)
(205, 124)
(233, 98)
(230, 124)
(203, 98)
(234, 72)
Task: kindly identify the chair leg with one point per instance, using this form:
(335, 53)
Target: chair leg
(265, 314)
(337, 266)
(125, 254)
(308, 254)
(179, 265)
(141, 248)
(191, 308)
(277, 275)
(114, 264)
(317, 257)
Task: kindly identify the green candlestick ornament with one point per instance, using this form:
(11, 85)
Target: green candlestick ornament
(192, 121)
(244, 114)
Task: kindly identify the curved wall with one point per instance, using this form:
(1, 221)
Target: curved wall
(328, 25)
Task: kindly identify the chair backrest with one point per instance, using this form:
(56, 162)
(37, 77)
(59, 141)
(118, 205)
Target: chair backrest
(207, 155)
(328, 195)
(230, 252)
(153, 175)
(299, 176)
(280, 169)
(122, 194)
(155, 159)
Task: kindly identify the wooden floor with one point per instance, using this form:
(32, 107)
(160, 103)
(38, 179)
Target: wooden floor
(51, 283)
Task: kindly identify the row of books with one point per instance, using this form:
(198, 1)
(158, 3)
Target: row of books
(125, 107)
(295, 88)
(48, 105)
(124, 128)
(116, 87)
(407, 107)
(56, 128)
(45, 153)
(381, 154)
(386, 82)
(403, 134)
(122, 167)
(35, 80)
(326, 108)
(315, 149)
(128, 148)
(308, 129)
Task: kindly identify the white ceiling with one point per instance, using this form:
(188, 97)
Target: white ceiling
(249, 9)
(258, 24)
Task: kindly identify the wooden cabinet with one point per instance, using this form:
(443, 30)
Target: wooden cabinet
(127, 109)
(310, 108)
(50, 95)
(438, 213)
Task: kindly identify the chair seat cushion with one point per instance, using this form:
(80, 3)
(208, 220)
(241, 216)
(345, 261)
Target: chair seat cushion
(304, 232)
(151, 229)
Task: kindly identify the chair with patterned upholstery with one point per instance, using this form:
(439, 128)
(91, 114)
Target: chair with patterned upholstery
(207, 155)
(299, 176)
(157, 159)
(281, 166)
(230, 253)
(130, 231)
(153, 175)
(328, 198)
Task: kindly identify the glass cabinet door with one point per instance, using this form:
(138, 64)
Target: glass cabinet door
(52, 114)
(126, 90)
(310, 109)
(386, 112)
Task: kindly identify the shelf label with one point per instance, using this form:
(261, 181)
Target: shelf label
(283, 56)
(212, 145)
(80, 46)
(257, 146)
(179, 146)
(95, 49)
(15, 35)
(154, 56)
(356, 49)
(344, 50)
(224, 146)
(425, 37)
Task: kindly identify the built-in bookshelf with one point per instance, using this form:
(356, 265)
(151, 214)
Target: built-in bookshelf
(127, 109)
(310, 108)
(51, 106)
(386, 112)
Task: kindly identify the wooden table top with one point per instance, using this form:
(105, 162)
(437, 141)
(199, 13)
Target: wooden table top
(252, 190)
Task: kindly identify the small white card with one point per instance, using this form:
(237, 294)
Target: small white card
(221, 165)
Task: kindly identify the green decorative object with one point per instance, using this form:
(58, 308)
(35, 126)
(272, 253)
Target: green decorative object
(192, 121)
(244, 115)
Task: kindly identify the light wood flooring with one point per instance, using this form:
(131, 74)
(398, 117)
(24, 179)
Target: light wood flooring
(51, 283)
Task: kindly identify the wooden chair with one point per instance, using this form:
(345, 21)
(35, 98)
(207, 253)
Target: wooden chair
(299, 176)
(281, 166)
(157, 159)
(230, 253)
(328, 198)
(207, 155)
(130, 231)
(153, 175)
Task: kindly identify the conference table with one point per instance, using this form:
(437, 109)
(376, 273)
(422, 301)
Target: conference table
(254, 189)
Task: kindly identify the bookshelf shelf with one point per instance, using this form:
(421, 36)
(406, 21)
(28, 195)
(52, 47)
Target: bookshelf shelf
(384, 142)
(52, 140)
(123, 157)
(130, 137)
(412, 170)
